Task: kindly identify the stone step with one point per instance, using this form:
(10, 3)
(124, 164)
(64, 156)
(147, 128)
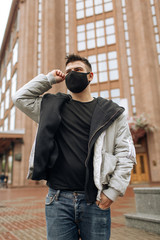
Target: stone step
(147, 200)
(148, 222)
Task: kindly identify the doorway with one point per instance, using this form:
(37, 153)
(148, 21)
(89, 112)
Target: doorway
(140, 172)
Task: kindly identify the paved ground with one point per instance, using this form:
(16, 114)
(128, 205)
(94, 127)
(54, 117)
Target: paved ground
(22, 216)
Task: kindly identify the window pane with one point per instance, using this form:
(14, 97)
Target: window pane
(89, 12)
(88, 3)
(3, 84)
(100, 42)
(97, 2)
(108, 7)
(104, 94)
(81, 36)
(99, 24)
(103, 77)
(157, 38)
(113, 64)
(124, 17)
(113, 75)
(116, 100)
(111, 39)
(100, 32)
(123, 3)
(112, 55)
(80, 14)
(154, 20)
(128, 52)
(81, 46)
(90, 34)
(125, 26)
(130, 71)
(127, 44)
(110, 29)
(79, 5)
(101, 57)
(94, 94)
(131, 81)
(15, 53)
(94, 67)
(134, 110)
(7, 99)
(9, 71)
(94, 79)
(14, 84)
(91, 44)
(129, 61)
(80, 28)
(2, 110)
(102, 66)
(6, 124)
(92, 59)
(155, 29)
(89, 26)
(115, 92)
(98, 9)
(126, 36)
(12, 118)
(133, 100)
(132, 90)
(39, 47)
(109, 21)
(158, 48)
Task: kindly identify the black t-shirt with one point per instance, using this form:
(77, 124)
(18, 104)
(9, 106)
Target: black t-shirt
(72, 139)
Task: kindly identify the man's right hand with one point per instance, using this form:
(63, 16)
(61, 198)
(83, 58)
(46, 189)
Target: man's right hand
(59, 75)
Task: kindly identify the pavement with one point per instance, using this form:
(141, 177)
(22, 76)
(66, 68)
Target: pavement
(22, 215)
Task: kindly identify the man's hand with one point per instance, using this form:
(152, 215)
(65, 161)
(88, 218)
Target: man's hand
(59, 75)
(105, 202)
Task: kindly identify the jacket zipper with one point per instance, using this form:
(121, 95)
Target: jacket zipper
(95, 133)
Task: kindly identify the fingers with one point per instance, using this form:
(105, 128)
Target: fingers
(59, 73)
(105, 202)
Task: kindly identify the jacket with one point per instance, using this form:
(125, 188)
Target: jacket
(110, 146)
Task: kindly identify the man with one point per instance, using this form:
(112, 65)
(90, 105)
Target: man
(83, 149)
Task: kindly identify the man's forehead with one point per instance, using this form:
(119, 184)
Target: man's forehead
(75, 65)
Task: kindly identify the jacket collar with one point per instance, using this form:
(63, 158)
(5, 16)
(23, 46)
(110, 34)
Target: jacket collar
(105, 113)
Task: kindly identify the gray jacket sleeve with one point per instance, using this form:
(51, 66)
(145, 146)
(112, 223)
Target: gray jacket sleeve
(124, 153)
(28, 98)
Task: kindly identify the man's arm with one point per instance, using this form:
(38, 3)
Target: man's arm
(28, 98)
(126, 158)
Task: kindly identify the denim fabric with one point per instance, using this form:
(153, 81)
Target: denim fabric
(68, 215)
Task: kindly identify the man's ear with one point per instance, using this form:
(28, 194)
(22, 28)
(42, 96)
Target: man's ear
(90, 76)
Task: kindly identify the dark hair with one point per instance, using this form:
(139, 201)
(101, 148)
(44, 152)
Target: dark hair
(74, 58)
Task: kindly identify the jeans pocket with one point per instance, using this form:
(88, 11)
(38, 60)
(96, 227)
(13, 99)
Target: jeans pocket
(106, 209)
(49, 200)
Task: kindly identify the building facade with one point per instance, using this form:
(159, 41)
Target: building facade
(120, 38)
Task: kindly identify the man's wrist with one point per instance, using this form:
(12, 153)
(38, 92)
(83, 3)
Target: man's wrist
(51, 78)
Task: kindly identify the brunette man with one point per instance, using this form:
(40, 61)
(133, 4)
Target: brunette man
(83, 149)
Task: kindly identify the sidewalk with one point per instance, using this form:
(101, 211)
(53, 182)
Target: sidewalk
(22, 216)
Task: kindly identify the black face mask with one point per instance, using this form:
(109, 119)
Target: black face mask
(76, 82)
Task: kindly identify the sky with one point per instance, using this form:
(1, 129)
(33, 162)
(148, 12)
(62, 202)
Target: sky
(4, 13)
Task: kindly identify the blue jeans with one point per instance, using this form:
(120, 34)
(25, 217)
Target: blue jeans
(69, 217)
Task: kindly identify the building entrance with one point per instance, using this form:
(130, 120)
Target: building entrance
(140, 172)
